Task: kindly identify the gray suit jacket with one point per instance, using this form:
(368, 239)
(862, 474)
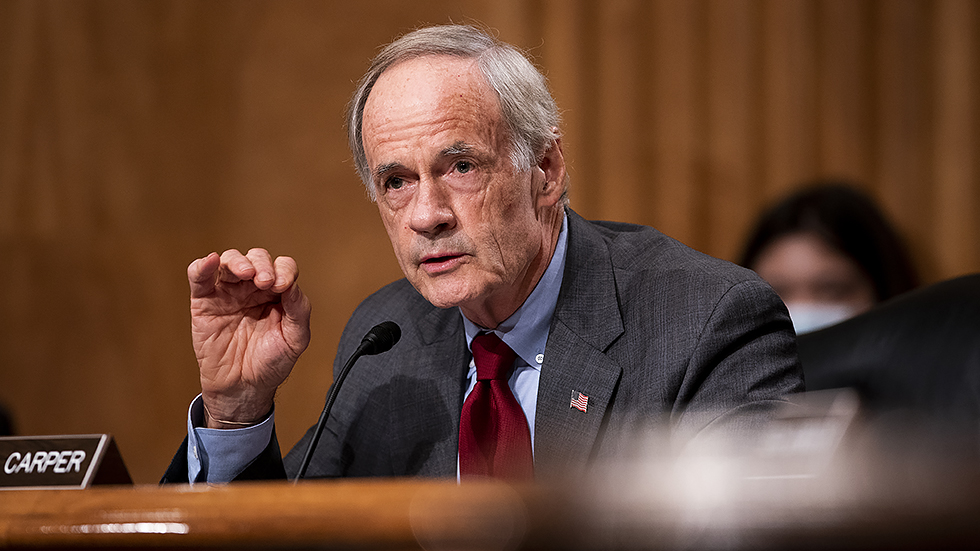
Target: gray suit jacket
(649, 329)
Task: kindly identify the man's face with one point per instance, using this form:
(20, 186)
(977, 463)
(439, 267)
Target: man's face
(468, 228)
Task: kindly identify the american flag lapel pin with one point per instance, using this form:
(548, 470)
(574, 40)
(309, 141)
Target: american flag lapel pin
(580, 401)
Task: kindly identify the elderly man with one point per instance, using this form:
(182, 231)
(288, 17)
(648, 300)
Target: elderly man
(533, 340)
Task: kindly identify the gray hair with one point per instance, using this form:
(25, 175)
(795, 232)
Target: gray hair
(526, 105)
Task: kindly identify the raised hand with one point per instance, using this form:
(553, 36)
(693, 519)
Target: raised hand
(249, 323)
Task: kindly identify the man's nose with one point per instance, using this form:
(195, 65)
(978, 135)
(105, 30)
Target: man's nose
(432, 211)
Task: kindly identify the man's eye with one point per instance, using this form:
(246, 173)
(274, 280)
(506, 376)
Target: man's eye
(394, 183)
(463, 166)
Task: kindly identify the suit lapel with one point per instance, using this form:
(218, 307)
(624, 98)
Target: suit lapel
(441, 362)
(587, 321)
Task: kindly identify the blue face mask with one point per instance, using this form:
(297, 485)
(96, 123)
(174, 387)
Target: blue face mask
(809, 316)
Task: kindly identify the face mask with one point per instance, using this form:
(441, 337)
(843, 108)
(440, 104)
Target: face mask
(809, 316)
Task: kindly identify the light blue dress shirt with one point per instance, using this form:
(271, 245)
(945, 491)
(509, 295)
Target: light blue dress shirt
(223, 453)
(526, 333)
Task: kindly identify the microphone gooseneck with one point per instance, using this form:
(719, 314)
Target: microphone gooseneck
(379, 339)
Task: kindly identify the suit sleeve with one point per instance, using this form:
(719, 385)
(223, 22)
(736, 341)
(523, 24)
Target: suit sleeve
(208, 455)
(743, 363)
(266, 466)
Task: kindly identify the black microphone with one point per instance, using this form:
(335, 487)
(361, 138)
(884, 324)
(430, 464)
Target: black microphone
(379, 339)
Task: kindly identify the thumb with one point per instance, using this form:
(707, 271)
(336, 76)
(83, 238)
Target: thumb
(201, 275)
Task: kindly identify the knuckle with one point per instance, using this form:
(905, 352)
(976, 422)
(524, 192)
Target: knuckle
(286, 262)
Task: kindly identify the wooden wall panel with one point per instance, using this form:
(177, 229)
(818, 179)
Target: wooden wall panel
(670, 120)
(956, 206)
(564, 27)
(901, 52)
(137, 136)
(569, 53)
(621, 89)
(789, 95)
(844, 87)
(731, 155)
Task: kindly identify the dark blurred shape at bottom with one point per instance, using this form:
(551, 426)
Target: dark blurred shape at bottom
(915, 357)
(821, 476)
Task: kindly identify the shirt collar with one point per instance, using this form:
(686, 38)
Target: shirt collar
(526, 330)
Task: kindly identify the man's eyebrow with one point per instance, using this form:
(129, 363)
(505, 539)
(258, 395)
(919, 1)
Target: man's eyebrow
(458, 148)
(385, 169)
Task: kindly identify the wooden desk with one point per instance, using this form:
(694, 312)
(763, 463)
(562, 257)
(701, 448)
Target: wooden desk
(347, 514)
(402, 514)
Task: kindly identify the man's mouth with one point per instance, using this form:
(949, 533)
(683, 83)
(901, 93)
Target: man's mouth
(440, 262)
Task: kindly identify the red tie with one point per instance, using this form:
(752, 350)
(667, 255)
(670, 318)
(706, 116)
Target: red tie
(494, 439)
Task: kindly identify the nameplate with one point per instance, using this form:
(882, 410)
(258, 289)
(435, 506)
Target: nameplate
(60, 462)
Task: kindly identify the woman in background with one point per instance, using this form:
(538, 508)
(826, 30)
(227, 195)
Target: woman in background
(830, 254)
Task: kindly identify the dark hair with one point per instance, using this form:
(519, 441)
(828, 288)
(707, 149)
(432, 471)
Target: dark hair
(848, 221)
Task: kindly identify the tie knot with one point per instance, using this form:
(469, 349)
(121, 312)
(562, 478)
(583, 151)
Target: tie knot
(493, 359)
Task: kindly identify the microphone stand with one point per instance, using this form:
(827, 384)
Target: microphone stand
(379, 339)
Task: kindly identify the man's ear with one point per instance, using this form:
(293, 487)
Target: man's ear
(552, 165)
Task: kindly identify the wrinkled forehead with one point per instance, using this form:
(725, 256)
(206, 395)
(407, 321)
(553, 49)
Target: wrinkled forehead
(430, 83)
(432, 95)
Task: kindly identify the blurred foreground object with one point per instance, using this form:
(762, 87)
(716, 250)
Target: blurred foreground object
(820, 477)
(915, 356)
(817, 478)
